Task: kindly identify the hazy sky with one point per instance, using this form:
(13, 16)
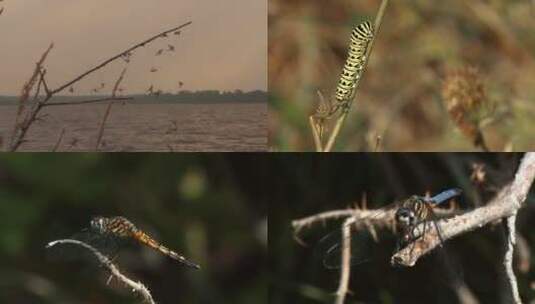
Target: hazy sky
(224, 49)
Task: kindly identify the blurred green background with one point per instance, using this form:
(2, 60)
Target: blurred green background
(470, 263)
(399, 97)
(210, 207)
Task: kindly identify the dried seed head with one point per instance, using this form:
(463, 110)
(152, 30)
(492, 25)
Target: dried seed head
(479, 174)
(464, 96)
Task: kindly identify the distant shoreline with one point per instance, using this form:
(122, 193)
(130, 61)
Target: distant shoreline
(183, 97)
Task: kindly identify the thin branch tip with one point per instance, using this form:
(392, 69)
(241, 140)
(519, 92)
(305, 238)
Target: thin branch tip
(114, 271)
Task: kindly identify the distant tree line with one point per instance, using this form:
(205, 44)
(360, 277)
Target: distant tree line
(206, 96)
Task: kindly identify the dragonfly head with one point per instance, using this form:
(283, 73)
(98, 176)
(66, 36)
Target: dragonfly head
(98, 224)
(405, 217)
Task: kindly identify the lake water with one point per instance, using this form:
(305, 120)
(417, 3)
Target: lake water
(147, 127)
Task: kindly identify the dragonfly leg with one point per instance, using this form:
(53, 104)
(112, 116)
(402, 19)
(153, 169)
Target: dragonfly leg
(413, 235)
(437, 227)
(109, 280)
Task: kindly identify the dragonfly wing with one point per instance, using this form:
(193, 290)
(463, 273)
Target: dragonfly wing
(329, 248)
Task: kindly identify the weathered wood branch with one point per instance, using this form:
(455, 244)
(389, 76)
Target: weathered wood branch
(504, 205)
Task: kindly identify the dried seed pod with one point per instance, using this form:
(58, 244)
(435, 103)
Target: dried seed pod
(464, 96)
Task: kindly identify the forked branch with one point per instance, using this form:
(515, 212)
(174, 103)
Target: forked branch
(26, 117)
(126, 52)
(505, 204)
(105, 261)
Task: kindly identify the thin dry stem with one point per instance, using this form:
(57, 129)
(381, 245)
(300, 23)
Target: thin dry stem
(381, 217)
(340, 121)
(378, 215)
(108, 109)
(25, 121)
(346, 255)
(315, 133)
(121, 54)
(510, 240)
(106, 262)
(58, 142)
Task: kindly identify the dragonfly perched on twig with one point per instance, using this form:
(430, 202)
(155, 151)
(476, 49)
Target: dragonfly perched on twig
(408, 215)
(106, 232)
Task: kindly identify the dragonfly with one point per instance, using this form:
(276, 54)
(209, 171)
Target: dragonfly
(408, 215)
(106, 232)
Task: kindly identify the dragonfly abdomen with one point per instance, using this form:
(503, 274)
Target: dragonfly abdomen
(148, 241)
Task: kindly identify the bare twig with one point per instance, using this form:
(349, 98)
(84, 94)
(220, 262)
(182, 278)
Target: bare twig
(24, 121)
(346, 255)
(58, 142)
(377, 215)
(508, 259)
(105, 261)
(315, 134)
(340, 121)
(504, 205)
(121, 54)
(108, 109)
(381, 217)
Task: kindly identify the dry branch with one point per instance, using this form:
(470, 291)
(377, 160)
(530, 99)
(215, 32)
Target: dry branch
(346, 256)
(381, 217)
(108, 109)
(105, 261)
(121, 54)
(26, 118)
(504, 205)
(510, 242)
(58, 142)
(354, 218)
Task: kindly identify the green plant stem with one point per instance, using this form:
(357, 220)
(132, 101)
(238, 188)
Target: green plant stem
(340, 121)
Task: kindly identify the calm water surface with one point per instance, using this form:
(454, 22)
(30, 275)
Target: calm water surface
(147, 127)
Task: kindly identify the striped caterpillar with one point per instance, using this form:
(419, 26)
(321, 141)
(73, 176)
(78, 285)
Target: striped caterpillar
(361, 35)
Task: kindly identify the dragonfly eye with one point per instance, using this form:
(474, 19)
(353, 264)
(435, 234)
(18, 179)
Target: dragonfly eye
(404, 216)
(98, 224)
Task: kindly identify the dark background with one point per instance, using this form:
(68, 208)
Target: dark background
(309, 184)
(211, 208)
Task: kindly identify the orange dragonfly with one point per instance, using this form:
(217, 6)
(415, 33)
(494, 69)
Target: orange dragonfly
(120, 227)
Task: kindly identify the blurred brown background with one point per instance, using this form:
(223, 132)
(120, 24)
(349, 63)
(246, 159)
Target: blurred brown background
(400, 96)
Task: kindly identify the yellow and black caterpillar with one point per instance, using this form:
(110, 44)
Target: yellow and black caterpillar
(361, 35)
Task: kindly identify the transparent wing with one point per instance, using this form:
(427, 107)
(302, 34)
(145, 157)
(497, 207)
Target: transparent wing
(329, 248)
